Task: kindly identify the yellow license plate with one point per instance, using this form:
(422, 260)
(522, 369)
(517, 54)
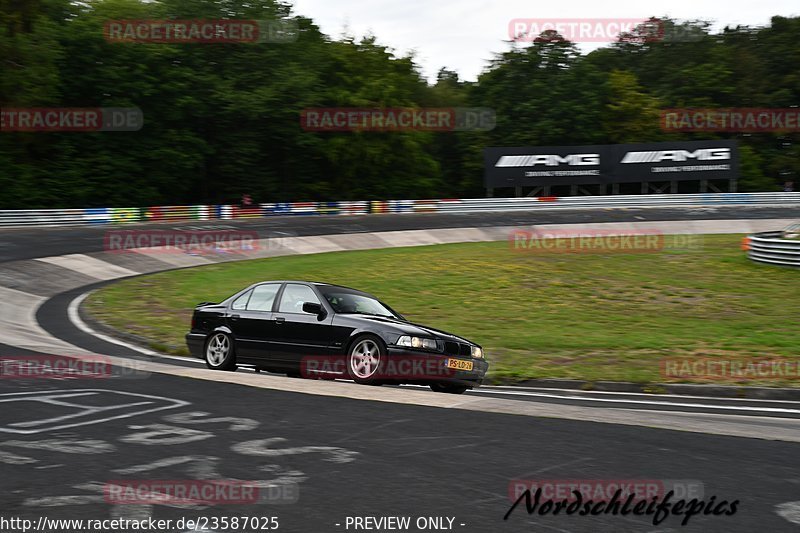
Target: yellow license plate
(459, 364)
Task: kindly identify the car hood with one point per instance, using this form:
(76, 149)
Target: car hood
(410, 328)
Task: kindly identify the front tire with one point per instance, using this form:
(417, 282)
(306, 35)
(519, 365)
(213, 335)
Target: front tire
(366, 360)
(219, 352)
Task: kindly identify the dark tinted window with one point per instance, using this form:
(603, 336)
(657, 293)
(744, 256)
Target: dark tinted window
(345, 301)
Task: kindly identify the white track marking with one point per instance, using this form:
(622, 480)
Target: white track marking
(646, 394)
(261, 448)
(790, 511)
(14, 459)
(236, 423)
(85, 412)
(200, 466)
(132, 511)
(643, 402)
(75, 499)
(62, 501)
(159, 434)
(19, 328)
(50, 398)
(81, 446)
(74, 317)
(44, 396)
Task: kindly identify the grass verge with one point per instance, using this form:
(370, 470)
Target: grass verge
(598, 316)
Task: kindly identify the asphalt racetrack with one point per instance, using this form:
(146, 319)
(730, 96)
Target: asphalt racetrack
(329, 458)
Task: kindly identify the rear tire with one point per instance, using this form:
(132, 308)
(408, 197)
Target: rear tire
(219, 352)
(449, 388)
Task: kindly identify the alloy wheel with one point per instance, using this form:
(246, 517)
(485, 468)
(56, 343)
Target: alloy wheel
(365, 358)
(218, 349)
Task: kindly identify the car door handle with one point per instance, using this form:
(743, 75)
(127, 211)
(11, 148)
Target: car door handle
(234, 317)
(279, 320)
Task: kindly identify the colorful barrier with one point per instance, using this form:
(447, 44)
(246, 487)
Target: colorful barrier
(98, 215)
(247, 212)
(353, 208)
(122, 215)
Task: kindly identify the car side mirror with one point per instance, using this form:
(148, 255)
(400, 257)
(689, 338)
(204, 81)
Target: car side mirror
(314, 309)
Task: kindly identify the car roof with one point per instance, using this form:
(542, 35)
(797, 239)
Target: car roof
(317, 283)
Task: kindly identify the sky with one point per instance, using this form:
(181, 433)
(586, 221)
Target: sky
(463, 35)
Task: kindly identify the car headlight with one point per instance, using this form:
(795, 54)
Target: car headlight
(477, 352)
(417, 342)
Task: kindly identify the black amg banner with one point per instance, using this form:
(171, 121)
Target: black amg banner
(612, 163)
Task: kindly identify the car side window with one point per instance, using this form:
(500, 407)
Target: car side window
(263, 296)
(240, 303)
(294, 296)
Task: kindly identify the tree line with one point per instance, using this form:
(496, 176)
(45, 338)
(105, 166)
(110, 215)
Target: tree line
(222, 120)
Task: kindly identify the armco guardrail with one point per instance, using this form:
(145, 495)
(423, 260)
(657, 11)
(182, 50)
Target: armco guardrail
(621, 201)
(122, 215)
(770, 247)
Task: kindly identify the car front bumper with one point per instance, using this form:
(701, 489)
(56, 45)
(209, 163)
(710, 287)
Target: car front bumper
(424, 368)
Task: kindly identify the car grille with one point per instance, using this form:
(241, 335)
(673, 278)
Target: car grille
(457, 348)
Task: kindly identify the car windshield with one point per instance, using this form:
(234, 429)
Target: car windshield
(347, 302)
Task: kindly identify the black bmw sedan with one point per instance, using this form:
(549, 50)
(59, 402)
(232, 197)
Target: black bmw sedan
(318, 330)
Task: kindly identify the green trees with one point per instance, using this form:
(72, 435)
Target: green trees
(224, 119)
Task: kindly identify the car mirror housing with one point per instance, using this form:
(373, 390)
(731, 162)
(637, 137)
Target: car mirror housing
(314, 309)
